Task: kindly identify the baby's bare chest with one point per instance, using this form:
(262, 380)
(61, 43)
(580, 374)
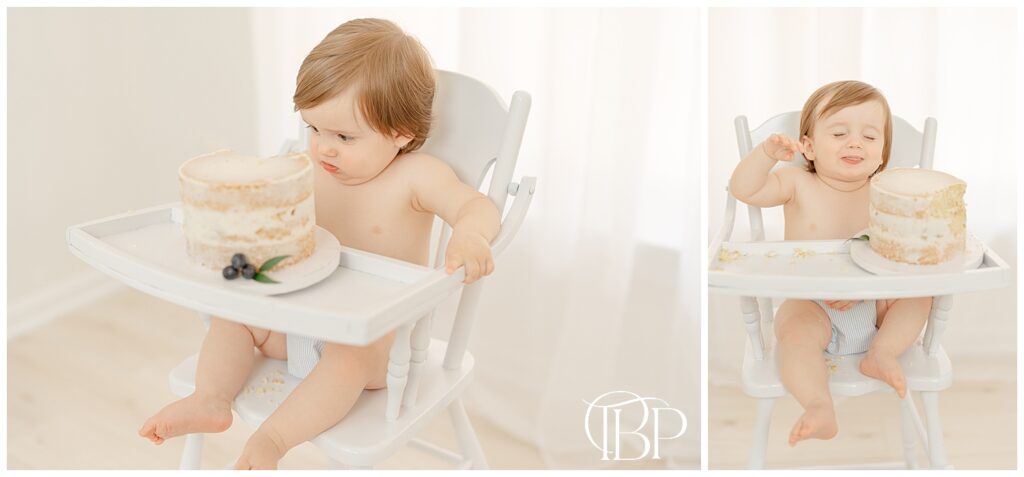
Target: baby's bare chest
(820, 215)
(375, 217)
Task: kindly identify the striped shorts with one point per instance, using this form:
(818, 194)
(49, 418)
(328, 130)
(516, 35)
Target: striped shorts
(303, 354)
(853, 329)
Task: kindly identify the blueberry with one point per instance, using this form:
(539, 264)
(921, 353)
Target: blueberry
(248, 271)
(238, 261)
(230, 273)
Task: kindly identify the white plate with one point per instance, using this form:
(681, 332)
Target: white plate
(864, 256)
(317, 267)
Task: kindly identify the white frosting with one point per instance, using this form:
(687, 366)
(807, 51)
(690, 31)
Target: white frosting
(226, 167)
(919, 183)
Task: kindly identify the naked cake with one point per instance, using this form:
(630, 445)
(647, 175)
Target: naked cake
(261, 207)
(917, 216)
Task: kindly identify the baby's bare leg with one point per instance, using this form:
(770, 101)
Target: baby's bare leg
(319, 402)
(899, 323)
(225, 360)
(803, 331)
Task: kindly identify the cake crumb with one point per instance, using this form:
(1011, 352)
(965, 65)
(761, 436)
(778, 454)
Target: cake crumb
(726, 255)
(832, 364)
(801, 253)
(771, 254)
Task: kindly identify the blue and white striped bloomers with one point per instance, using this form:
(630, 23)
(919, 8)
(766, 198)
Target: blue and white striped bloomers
(853, 329)
(303, 354)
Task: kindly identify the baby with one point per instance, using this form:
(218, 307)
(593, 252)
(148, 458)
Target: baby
(846, 136)
(365, 92)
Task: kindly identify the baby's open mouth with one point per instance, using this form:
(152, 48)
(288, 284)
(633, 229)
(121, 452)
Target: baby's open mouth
(852, 159)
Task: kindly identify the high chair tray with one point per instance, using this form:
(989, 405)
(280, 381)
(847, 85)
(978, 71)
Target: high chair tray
(365, 297)
(823, 269)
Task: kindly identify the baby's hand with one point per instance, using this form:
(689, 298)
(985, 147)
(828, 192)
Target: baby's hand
(781, 148)
(472, 251)
(841, 305)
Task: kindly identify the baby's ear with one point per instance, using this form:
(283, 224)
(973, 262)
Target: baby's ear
(402, 141)
(808, 148)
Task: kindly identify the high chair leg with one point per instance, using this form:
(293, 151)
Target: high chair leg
(464, 434)
(909, 428)
(936, 444)
(759, 447)
(193, 453)
(418, 343)
(398, 371)
(752, 321)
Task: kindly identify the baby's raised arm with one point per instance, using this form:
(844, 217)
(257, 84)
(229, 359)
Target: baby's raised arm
(474, 219)
(753, 182)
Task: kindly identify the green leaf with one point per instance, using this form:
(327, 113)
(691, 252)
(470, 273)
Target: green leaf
(271, 263)
(861, 237)
(263, 278)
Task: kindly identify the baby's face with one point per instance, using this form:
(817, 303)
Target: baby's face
(848, 144)
(343, 144)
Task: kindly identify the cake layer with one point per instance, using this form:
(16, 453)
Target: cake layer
(245, 225)
(917, 193)
(223, 180)
(896, 250)
(217, 256)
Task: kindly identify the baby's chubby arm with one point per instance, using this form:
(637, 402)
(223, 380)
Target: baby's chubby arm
(474, 219)
(753, 183)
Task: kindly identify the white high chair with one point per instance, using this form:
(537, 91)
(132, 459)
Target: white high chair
(364, 299)
(757, 271)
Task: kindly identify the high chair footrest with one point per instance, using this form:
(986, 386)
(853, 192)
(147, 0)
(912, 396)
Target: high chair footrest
(363, 437)
(923, 373)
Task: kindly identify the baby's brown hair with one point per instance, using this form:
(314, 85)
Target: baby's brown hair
(841, 94)
(391, 70)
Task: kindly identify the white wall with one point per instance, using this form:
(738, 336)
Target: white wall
(957, 65)
(103, 106)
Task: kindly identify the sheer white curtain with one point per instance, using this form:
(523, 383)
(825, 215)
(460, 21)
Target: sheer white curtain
(587, 299)
(955, 64)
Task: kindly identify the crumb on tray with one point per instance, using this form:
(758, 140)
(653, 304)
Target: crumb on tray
(801, 253)
(726, 255)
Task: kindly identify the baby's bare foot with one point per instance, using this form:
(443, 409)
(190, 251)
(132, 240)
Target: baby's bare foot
(189, 415)
(886, 368)
(818, 422)
(261, 452)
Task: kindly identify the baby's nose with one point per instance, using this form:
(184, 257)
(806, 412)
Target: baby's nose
(326, 150)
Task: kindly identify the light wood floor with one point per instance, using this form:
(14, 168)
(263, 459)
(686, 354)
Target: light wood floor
(80, 387)
(979, 420)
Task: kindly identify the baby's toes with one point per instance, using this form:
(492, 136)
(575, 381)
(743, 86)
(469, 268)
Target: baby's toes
(898, 382)
(148, 430)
